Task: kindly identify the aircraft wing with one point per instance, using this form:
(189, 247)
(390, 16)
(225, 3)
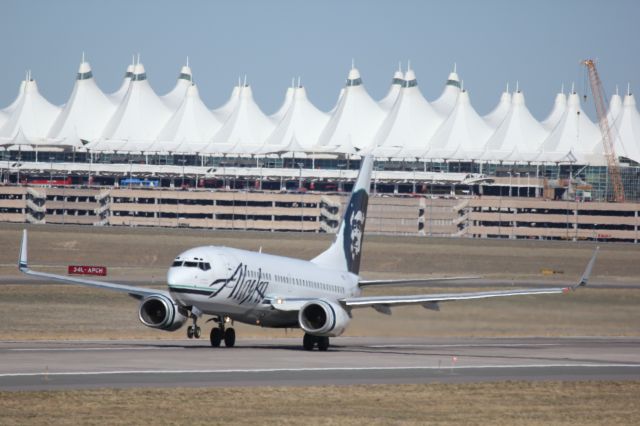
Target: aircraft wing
(412, 281)
(431, 301)
(136, 292)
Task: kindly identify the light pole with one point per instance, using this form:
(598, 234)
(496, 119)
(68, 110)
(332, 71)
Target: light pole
(51, 170)
(130, 172)
(19, 165)
(414, 180)
(300, 176)
(89, 182)
(182, 161)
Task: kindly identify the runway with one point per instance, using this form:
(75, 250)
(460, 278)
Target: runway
(45, 365)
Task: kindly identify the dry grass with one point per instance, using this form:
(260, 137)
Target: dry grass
(145, 253)
(29, 312)
(522, 403)
(70, 312)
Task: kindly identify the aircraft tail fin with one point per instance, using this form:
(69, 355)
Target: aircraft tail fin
(345, 251)
(587, 271)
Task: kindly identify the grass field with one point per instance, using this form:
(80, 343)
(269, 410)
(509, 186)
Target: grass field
(68, 312)
(519, 403)
(55, 311)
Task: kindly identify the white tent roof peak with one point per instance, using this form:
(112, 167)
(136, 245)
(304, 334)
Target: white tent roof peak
(84, 68)
(354, 79)
(86, 113)
(518, 137)
(246, 129)
(462, 135)
(288, 98)
(574, 133)
(139, 117)
(397, 82)
(447, 100)
(117, 96)
(559, 106)
(410, 124)
(625, 131)
(629, 100)
(33, 115)
(300, 127)
(225, 110)
(410, 76)
(498, 114)
(139, 73)
(7, 110)
(185, 73)
(189, 129)
(354, 121)
(615, 105)
(174, 98)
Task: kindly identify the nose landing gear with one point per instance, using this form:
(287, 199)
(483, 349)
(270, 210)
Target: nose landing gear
(193, 331)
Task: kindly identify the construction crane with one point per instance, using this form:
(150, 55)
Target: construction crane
(607, 141)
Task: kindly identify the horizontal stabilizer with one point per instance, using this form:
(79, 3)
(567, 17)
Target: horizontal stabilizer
(431, 301)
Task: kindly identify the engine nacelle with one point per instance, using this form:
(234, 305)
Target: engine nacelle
(323, 318)
(161, 312)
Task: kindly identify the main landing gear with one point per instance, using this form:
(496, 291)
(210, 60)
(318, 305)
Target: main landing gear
(220, 333)
(310, 341)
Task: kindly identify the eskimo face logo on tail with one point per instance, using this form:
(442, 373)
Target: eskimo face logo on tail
(355, 218)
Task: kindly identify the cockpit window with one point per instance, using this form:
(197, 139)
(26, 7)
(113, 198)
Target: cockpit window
(176, 263)
(205, 266)
(190, 264)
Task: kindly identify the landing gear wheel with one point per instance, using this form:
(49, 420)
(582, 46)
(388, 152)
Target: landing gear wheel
(190, 332)
(323, 343)
(229, 337)
(308, 342)
(215, 337)
(197, 332)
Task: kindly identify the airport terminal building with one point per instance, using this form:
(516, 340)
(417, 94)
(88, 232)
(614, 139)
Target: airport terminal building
(504, 174)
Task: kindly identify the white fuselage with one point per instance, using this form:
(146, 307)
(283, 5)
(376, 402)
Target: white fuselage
(243, 284)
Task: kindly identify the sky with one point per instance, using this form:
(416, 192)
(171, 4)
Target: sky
(537, 45)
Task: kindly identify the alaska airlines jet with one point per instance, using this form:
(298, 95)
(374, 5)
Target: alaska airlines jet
(317, 295)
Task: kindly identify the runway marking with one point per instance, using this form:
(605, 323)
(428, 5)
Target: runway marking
(132, 348)
(318, 369)
(462, 345)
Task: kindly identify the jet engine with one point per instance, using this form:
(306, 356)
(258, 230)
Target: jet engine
(323, 318)
(158, 311)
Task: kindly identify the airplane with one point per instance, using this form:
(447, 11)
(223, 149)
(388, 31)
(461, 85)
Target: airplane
(317, 295)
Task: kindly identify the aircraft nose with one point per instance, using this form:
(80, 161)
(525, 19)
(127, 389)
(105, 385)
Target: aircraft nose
(173, 276)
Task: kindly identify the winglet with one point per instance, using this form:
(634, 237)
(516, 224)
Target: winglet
(22, 263)
(587, 271)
